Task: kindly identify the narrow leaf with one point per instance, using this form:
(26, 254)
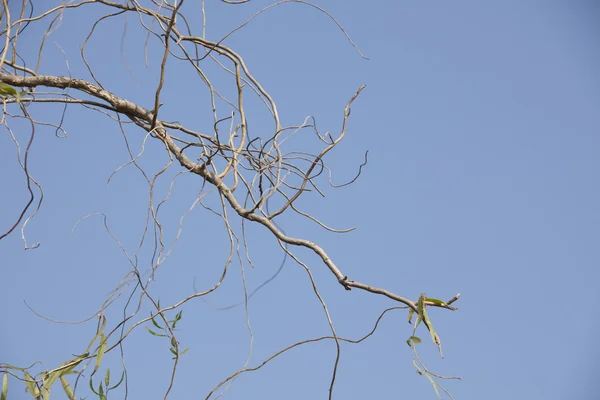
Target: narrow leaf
(101, 351)
(100, 330)
(31, 385)
(67, 388)
(9, 366)
(4, 391)
(50, 378)
(118, 383)
(7, 89)
(156, 324)
(92, 387)
(437, 302)
(107, 377)
(434, 385)
(411, 312)
(184, 351)
(69, 366)
(437, 341)
(420, 309)
(434, 336)
(154, 333)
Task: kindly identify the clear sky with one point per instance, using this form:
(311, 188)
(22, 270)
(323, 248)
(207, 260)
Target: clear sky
(482, 121)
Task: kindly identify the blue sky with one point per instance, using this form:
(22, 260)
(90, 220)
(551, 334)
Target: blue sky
(482, 125)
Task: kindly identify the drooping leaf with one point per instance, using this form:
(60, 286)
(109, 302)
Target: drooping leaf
(45, 393)
(4, 391)
(101, 392)
(100, 330)
(437, 341)
(428, 322)
(31, 385)
(50, 378)
(101, 351)
(102, 320)
(420, 309)
(413, 339)
(107, 377)
(154, 333)
(92, 386)
(67, 388)
(411, 312)
(434, 385)
(156, 324)
(118, 383)
(434, 336)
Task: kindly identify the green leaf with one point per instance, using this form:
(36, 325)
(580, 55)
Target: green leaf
(427, 320)
(67, 388)
(65, 368)
(420, 309)
(118, 383)
(156, 324)
(437, 341)
(434, 336)
(9, 366)
(437, 302)
(154, 333)
(31, 385)
(177, 319)
(434, 385)
(100, 390)
(92, 387)
(413, 339)
(45, 393)
(4, 391)
(411, 312)
(7, 89)
(50, 378)
(173, 342)
(184, 351)
(101, 351)
(174, 352)
(102, 322)
(107, 377)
